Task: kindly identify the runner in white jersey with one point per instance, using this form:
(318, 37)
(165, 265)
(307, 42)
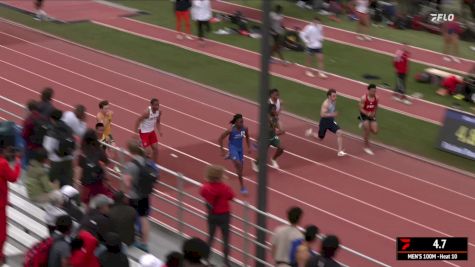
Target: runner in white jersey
(146, 125)
(364, 20)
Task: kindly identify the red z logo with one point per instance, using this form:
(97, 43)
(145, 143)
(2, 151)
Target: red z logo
(407, 243)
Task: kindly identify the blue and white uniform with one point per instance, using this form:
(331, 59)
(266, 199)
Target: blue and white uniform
(328, 123)
(235, 143)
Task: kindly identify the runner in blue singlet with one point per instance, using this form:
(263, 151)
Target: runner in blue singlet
(236, 134)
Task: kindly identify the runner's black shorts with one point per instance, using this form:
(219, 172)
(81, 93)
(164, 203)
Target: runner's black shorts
(327, 124)
(363, 117)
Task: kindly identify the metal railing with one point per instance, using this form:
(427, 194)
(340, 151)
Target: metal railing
(183, 208)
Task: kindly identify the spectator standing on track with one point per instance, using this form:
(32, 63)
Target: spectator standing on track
(35, 128)
(139, 180)
(364, 20)
(146, 125)
(328, 113)
(450, 32)
(60, 144)
(38, 184)
(201, 13)
(45, 107)
(217, 195)
(401, 66)
(284, 236)
(92, 161)
(237, 132)
(278, 33)
(76, 120)
(328, 250)
(40, 13)
(182, 14)
(368, 108)
(60, 251)
(123, 219)
(312, 36)
(7, 174)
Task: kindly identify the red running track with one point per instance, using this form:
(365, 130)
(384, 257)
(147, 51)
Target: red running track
(421, 109)
(383, 46)
(367, 201)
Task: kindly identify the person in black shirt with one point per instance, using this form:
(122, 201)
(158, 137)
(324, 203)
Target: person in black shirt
(113, 256)
(45, 107)
(329, 248)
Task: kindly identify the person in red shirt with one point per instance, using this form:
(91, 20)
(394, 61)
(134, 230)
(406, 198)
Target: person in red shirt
(6, 175)
(82, 250)
(368, 108)
(401, 66)
(217, 196)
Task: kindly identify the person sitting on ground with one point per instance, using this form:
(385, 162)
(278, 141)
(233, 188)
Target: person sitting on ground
(328, 250)
(123, 219)
(449, 86)
(54, 209)
(195, 251)
(38, 185)
(113, 256)
(148, 260)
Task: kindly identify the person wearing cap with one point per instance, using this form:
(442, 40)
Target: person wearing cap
(113, 256)
(283, 237)
(54, 209)
(195, 251)
(38, 185)
(217, 196)
(304, 250)
(96, 221)
(148, 260)
(123, 219)
(71, 204)
(328, 250)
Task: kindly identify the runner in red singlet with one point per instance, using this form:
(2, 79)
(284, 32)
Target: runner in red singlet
(368, 109)
(146, 125)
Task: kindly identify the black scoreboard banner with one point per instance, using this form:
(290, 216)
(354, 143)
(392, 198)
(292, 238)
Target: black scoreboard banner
(458, 134)
(432, 248)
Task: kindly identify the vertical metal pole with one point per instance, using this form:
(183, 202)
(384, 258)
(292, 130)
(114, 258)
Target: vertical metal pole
(180, 203)
(263, 131)
(245, 247)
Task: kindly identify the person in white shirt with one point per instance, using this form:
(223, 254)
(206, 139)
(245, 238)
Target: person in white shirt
(146, 125)
(76, 120)
(201, 13)
(362, 13)
(312, 36)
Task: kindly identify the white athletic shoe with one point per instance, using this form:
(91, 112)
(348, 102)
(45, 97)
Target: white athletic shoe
(368, 151)
(406, 101)
(341, 153)
(189, 37)
(254, 166)
(322, 75)
(360, 125)
(456, 60)
(308, 132)
(274, 164)
(397, 98)
(179, 37)
(448, 59)
(367, 38)
(309, 74)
